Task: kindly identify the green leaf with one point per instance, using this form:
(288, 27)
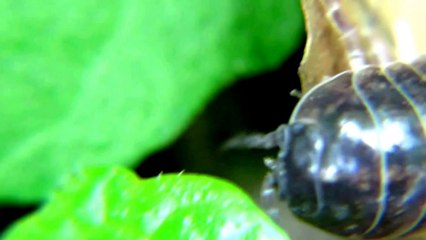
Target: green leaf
(112, 203)
(87, 82)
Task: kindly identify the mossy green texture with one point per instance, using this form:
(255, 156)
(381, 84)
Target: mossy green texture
(88, 82)
(112, 203)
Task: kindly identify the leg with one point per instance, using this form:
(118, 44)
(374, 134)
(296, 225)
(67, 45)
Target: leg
(269, 197)
(271, 200)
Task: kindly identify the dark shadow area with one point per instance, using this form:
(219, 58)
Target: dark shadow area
(9, 214)
(257, 104)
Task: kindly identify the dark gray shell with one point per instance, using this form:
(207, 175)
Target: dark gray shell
(353, 157)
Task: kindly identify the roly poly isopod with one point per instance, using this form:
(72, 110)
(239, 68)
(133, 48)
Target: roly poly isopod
(352, 158)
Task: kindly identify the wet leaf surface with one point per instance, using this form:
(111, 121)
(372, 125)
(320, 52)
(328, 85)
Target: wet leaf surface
(113, 203)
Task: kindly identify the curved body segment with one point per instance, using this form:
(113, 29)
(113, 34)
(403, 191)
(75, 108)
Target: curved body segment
(354, 155)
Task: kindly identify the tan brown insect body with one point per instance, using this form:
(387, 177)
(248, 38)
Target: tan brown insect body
(352, 158)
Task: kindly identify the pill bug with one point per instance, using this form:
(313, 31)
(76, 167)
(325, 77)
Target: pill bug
(352, 158)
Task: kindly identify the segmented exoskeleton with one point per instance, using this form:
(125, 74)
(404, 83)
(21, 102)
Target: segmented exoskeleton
(352, 158)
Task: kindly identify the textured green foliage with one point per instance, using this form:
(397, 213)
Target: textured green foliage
(108, 82)
(112, 203)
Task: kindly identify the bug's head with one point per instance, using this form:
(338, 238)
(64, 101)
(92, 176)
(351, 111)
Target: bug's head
(297, 167)
(293, 176)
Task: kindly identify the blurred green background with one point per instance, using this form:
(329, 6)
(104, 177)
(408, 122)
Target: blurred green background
(155, 85)
(255, 104)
